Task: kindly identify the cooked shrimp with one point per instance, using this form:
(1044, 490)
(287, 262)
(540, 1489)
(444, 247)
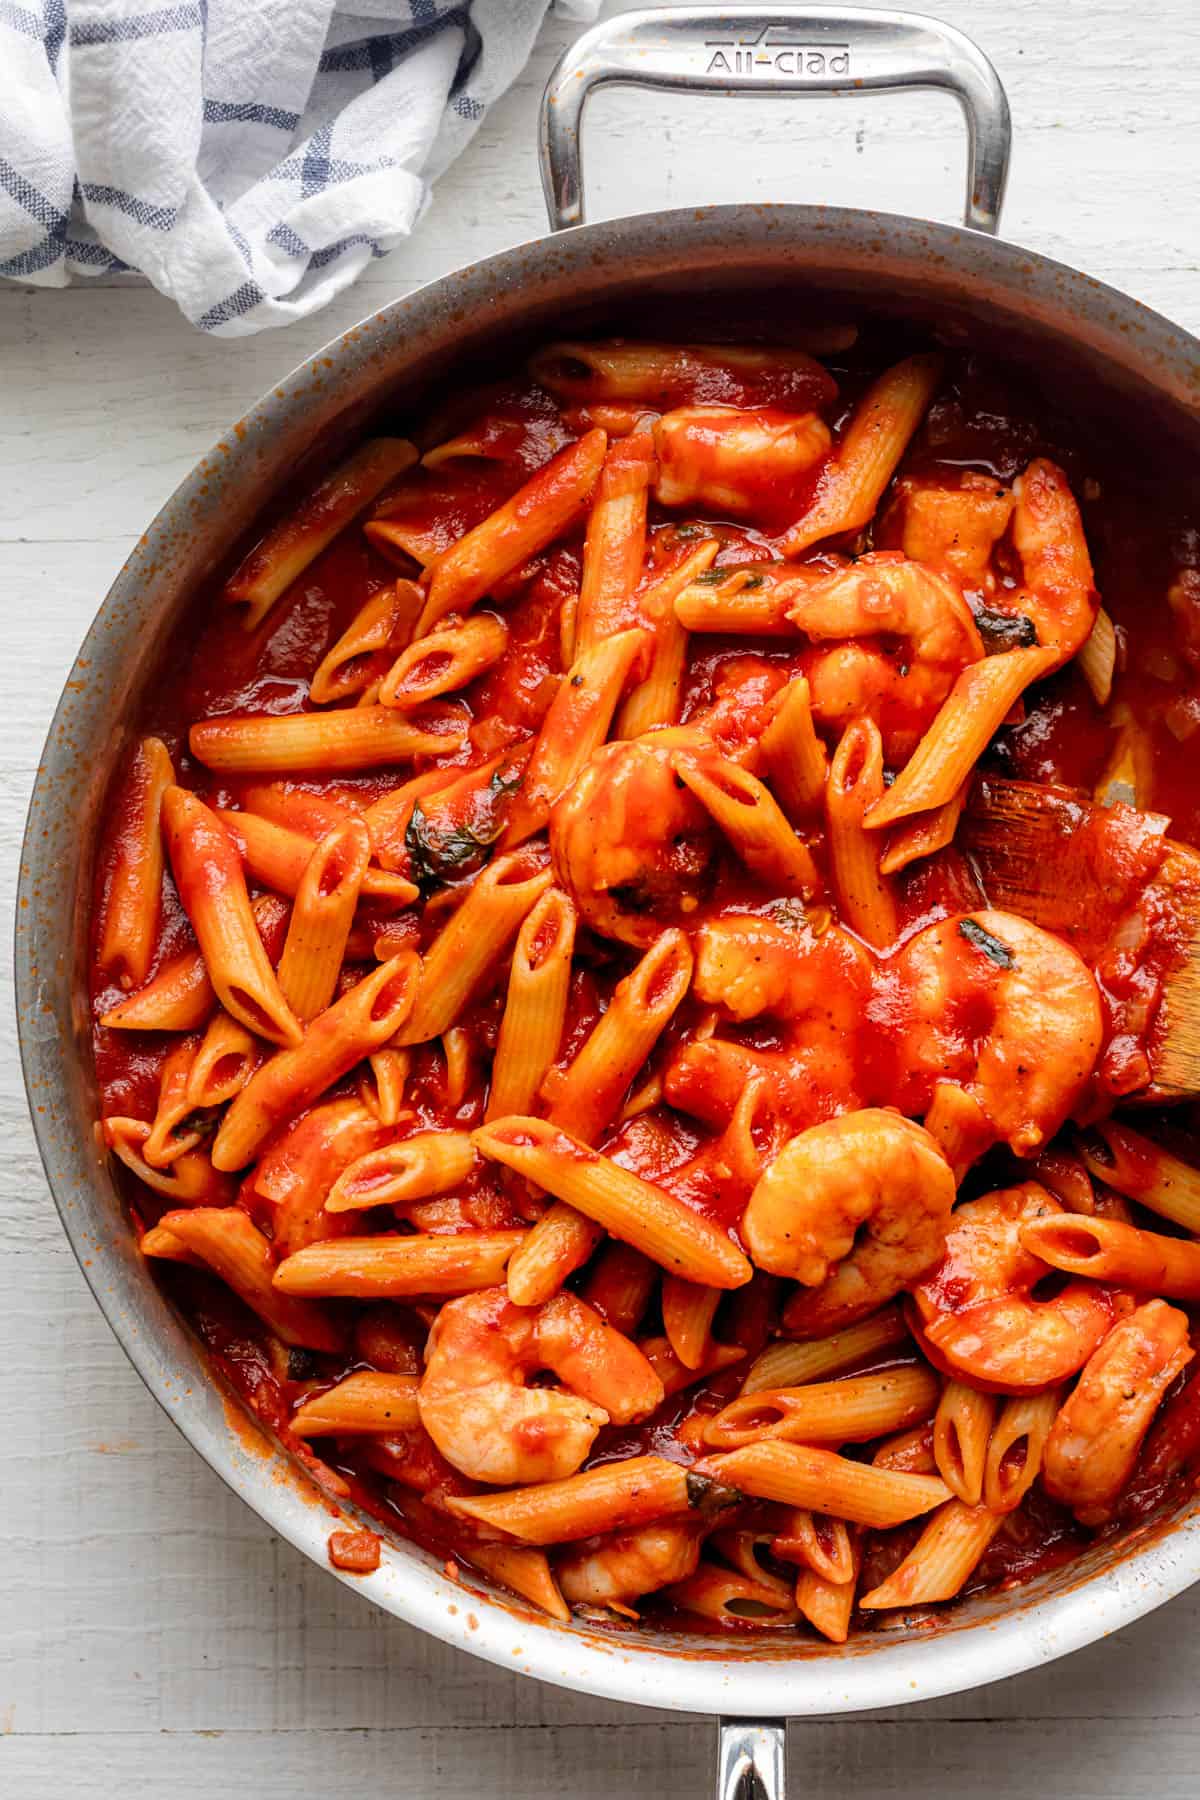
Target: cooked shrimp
(629, 1564)
(953, 523)
(474, 1403)
(999, 1008)
(1095, 1438)
(976, 1314)
(808, 1074)
(736, 460)
(1058, 591)
(752, 965)
(871, 1172)
(901, 686)
(632, 846)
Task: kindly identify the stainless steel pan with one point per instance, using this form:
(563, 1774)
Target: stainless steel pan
(1111, 357)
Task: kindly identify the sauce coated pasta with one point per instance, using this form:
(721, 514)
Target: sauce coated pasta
(570, 1054)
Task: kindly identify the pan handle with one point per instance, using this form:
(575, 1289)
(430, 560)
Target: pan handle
(775, 50)
(750, 1760)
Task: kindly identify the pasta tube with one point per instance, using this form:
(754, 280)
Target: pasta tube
(653, 1221)
(365, 1017)
(133, 893)
(208, 874)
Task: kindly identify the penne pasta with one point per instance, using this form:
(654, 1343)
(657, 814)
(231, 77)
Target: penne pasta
(388, 818)
(1143, 1171)
(536, 1006)
(588, 1094)
(688, 1311)
(1108, 1250)
(962, 1429)
(785, 1364)
(652, 374)
(470, 945)
(443, 661)
(319, 927)
(296, 1173)
(179, 998)
(1016, 1447)
(189, 1179)
(308, 814)
(683, 1241)
(173, 1129)
(382, 1268)
(576, 724)
(750, 818)
(731, 1597)
(364, 1402)
(381, 1088)
(431, 1162)
(924, 834)
(827, 1604)
(132, 902)
(224, 1062)
(865, 900)
(212, 888)
(800, 1475)
(525, 1571)
(675, 1375)
(619, 1285)
(656, 698)
(795, 756)
(849, 1411)
(363, 737)
(233, 1247)
(558, 1243)
(941, 1560)
(970, 716)
(867, 454)
(289, 547)
(364, 652)
(616, 1496)
(822, 1544)
(365, 1017)
(909, 1451)
(535, 515)
(278, 856)
(616, 541)
(623, 997)
(751, 600)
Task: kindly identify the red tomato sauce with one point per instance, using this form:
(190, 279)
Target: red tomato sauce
(1143, 546)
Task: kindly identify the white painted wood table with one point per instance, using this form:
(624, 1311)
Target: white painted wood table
(155, 1639)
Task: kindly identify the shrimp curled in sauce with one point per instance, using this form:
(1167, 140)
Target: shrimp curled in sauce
(630, 843)
(629, 1564)
(870, 1171)
(483, 1418)
(999, 1008)
(1095, 1438)
(885, 596)
(1059, 591)
(815, 983)
(976, 1314)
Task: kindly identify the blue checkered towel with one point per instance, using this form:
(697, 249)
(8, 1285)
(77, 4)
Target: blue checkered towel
(249, 156)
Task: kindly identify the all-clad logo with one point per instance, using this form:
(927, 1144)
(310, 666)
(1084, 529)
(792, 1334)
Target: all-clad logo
(772, 52)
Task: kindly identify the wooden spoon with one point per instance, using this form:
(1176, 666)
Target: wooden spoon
(1075, 868)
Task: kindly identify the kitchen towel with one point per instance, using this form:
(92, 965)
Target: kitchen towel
(249, 157)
